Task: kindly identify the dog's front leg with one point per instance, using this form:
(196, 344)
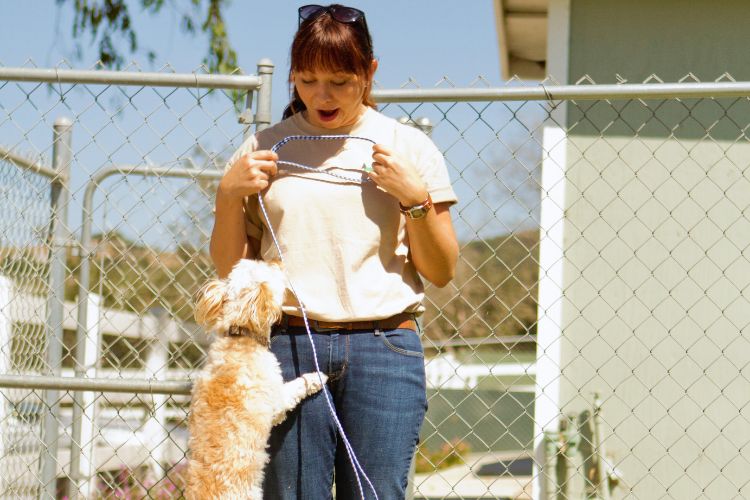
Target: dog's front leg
(296, 390)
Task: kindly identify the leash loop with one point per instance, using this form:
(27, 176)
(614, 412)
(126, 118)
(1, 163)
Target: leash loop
(287, 139)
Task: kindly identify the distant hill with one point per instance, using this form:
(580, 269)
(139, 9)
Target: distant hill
(129, 275)
(494, 292)
(135, 277)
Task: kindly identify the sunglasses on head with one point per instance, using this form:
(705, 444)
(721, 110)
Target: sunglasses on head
(340, 13)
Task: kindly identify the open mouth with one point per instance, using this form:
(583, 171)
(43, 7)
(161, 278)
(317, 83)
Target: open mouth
(327, 115)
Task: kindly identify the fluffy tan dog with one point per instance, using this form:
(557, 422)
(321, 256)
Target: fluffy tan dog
(240, 395)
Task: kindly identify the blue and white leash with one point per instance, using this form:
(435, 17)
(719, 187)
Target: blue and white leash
(282, 142)
(349, 450)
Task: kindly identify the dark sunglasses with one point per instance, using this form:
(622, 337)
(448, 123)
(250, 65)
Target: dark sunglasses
(340, 13)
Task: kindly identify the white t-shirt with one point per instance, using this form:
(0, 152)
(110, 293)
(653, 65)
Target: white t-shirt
(345, 244)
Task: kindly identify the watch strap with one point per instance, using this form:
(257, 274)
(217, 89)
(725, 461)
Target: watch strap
(419, 210)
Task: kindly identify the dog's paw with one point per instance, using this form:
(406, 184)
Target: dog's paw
(313, 381)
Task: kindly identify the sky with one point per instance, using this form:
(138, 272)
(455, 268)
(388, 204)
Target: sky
(421, 39)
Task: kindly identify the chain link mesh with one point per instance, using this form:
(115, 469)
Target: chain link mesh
(477, 438)
(24, 260)
(651, 366)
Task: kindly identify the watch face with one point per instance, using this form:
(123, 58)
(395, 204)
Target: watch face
(417, 213)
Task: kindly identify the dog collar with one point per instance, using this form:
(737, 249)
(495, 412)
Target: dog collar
(241, 331)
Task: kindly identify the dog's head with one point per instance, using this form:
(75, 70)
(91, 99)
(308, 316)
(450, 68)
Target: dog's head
(250, 297)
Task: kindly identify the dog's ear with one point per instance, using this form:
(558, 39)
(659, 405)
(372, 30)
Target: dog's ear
(258, 310)
(209, 304)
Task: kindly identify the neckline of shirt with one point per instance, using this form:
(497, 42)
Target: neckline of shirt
(301, 122)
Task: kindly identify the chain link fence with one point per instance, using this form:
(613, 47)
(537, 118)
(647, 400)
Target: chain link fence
(592, 345)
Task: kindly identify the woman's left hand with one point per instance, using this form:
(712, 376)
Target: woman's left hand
(397, 176)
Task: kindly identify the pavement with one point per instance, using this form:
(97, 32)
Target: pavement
(461, 481)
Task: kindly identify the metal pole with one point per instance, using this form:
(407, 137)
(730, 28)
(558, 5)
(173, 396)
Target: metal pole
(157, 362)
(263, 112)
(134, 386)
(84, 272)
(246, 117)
(84, 276)
(6, 334)
(602, 483)
(137, 78)
(26, 164)
(567, 470)
(422, 123)
(82, 465)
(547, 467)
(412, 472)
(563, 465)
(567, 92)
(61, 158)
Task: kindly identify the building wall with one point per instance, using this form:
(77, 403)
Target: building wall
(655, 316)
(669, 38)
(656, 276)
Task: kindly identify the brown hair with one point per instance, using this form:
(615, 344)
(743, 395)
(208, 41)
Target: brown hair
(325, 43)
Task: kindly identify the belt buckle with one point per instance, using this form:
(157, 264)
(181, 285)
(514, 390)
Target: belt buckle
(316, 326)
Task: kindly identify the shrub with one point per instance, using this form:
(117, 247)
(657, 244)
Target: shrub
(132, 484)
(448, 455)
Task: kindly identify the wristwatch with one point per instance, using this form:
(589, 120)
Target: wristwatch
(417, 211)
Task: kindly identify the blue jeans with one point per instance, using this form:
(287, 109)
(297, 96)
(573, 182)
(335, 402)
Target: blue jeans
(377, 384)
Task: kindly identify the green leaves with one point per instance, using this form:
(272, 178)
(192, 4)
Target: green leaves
(110, 25)
(221, 56)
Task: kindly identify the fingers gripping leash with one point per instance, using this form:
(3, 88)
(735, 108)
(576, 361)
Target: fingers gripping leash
(358, 470)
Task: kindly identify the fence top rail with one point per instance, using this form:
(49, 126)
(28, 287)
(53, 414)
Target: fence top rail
(539, 92)
(543, 92)
(106, 77)
(27, 164)
(147, 386)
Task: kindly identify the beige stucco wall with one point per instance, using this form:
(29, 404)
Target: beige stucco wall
(669, 38)
(657, 249)
(656, 309)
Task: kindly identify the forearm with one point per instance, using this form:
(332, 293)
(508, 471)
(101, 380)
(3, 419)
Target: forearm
(433, 245)
(247, 176)
(229, 242)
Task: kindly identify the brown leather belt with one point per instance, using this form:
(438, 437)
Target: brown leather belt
(402, 320)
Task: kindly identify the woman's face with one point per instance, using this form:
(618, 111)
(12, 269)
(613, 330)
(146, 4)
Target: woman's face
(333, 99)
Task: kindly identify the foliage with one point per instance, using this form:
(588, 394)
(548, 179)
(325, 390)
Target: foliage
(108, 22)
(28, 268)
(494, 291)
(135, 277)
(127, 484)
(449, 454)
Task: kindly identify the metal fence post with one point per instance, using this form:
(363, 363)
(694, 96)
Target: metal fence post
(263, 112)
(550, 303)
(60, 195)
(602, 482)
(157, 362)
(412, 472)
(567, 470)
(546, 468)
(422, 123)
(83, 432)
(6, 333)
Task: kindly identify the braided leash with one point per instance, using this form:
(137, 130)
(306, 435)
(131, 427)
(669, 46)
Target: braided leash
(285, 140)
(349, 450)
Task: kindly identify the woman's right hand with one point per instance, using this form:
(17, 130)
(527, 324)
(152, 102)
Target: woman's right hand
(249, 175)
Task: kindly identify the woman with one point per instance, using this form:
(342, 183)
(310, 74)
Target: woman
(355, 234)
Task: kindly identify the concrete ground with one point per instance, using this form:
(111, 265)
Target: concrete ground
(461, 481)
